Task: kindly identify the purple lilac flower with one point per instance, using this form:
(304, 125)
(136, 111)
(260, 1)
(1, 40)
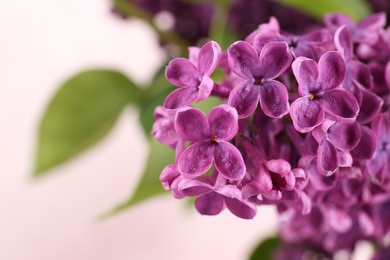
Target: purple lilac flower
(319, 88)
(336, 140)
(193, 76)
(210, 138)
(258, 71)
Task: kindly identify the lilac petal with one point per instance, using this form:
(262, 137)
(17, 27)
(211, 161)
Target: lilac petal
(241, 209)
(244, 98)
(361, 74)
(339, 103)
(275, 58)
(260, 184)
(192, 125)
(193, 54)
(366, 224)
(320, 35)
(164, 128)
(181, 72)
(210, 204)
(180, 97)
(235, 204)
(335, 20)
(223, 122)
(370, 107)
(168, 175)
(339, 220)
(274, 99)
(344, 43)
(345, 159)
(192, 187)
(373, 22)
(242, 59)
(320, 181)
(344, 136)
(205, 88)
(367, 145)
(327, 158)
(332, 70)
(229, 161)
(367, 29)
(175, 190)
(264, 38)
(306, 114)
(304, 203)
(278, 165)
(306, 72)
(196, 159)
(273, 195)
(208, 58)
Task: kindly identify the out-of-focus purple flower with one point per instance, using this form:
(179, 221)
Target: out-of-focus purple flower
(365, 31)
(210, 138)
(359, 80)
(259, 72)
(379, 166)
(311, 45)
(319, 88)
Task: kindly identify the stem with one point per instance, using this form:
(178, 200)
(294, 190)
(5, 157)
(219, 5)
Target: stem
(218, 26)
(129, 9)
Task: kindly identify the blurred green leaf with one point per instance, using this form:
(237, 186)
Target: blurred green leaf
(266, 249)
(80, 114)
(147, 109)
(154, 95)
(208, 104)
(149, 186)
(356, 9)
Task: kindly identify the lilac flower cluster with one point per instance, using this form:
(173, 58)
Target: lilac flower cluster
(305, 126)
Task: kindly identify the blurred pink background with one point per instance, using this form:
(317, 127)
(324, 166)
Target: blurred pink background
(43, 43)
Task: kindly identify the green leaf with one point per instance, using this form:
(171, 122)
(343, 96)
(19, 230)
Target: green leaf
(149, 186)
(208, 104)
(154, 95)
(356, 9)
(147, 109)
(80, 114)
(266, 249)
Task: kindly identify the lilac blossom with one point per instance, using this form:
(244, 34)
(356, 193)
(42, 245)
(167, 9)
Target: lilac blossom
(319, 88)
(210, 138)
(258, 71)
(193, 76)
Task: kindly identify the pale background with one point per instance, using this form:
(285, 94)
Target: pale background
(43, 42)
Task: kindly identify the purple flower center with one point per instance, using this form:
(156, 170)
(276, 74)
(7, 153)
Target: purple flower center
(257, 82)
(311, 96)
(214, 138)
(385, 146)
(278, 181)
